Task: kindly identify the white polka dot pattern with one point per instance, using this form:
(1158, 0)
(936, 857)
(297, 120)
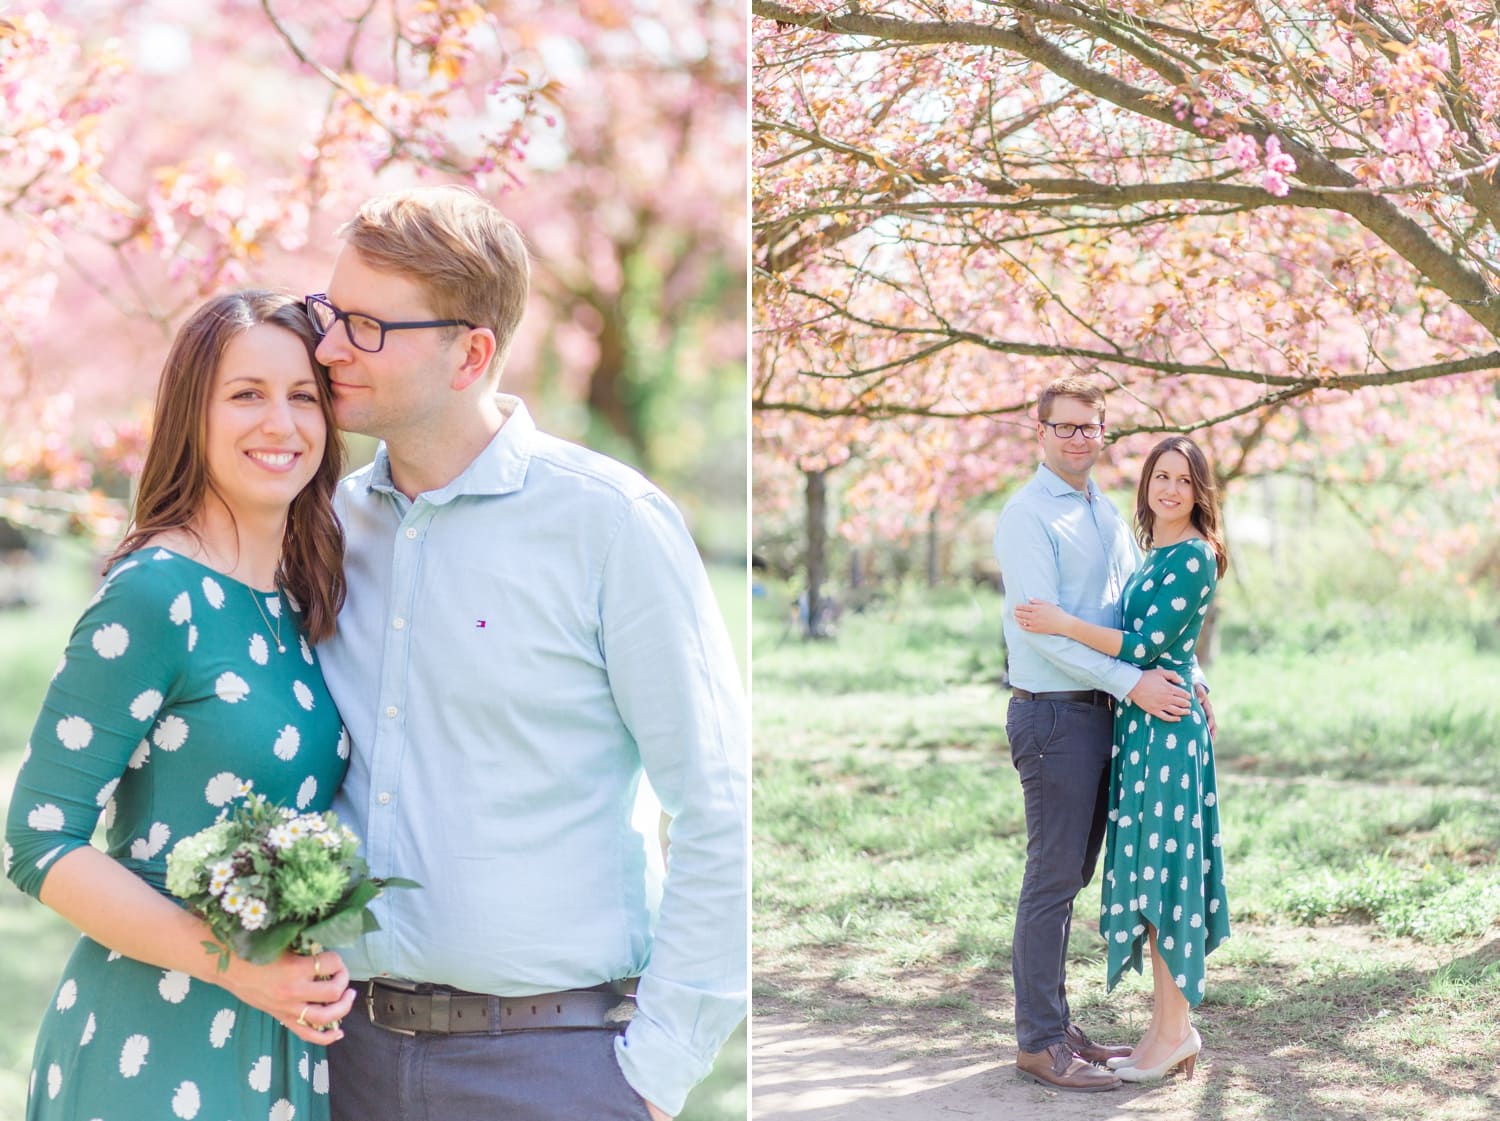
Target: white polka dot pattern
(143, 727)
(1162, 773)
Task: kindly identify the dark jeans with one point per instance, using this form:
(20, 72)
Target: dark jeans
(547, 1075)
(1061, 751)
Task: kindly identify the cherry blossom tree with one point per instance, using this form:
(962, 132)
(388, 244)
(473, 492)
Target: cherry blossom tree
(153, 153)
(1270, 225)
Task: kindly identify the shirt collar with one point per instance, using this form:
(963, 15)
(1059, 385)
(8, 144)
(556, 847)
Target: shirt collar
(1057, 486)
(499, 469)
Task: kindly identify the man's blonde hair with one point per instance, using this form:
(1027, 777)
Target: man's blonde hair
(469, 258)
(1080, 389)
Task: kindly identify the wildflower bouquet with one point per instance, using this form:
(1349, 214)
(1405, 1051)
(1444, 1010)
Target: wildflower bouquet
(266, 879)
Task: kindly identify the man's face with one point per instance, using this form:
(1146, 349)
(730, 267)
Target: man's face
(1073, 458)
(402, 387)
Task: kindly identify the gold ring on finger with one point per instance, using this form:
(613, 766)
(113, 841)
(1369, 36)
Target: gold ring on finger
(317, 966)
(302, 1016)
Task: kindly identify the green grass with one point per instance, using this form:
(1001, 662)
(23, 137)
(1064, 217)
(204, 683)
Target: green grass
(1359, 805)
(34, 942)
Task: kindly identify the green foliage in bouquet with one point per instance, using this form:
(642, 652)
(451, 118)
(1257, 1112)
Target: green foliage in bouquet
(267, 879)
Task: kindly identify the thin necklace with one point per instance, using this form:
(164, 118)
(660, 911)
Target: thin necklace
(276, 632)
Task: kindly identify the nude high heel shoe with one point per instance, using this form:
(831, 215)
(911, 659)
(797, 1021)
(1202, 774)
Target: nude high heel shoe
(1185, 1057)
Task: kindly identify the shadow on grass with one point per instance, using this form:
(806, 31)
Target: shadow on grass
(1389, 1040)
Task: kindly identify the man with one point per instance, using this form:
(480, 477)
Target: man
(1060, 540)
(528, 625)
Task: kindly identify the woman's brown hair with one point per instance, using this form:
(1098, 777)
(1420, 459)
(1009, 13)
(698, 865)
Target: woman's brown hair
(1205, 515)
(175, 478)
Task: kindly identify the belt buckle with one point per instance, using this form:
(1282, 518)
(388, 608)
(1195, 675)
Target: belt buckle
(406, 987)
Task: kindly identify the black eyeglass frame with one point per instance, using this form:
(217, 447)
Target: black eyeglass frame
(1074, 429)
(320, 299)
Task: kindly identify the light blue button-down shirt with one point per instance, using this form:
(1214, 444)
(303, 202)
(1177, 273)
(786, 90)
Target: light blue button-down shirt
(516, 646)
(1071, 548)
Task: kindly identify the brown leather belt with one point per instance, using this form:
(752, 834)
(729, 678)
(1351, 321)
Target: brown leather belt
(409, 1007)
(1083, 696)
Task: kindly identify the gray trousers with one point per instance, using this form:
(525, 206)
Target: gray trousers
(1061, 752)
(553, 1074)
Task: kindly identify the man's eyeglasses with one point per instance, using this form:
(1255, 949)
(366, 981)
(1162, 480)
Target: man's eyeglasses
(1066, 431)
(365, 331)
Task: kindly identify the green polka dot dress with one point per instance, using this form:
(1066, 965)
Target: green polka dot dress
(1163, 862)
(172, 695)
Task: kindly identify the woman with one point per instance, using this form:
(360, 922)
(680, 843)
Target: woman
(189, 679)
(1164, 872)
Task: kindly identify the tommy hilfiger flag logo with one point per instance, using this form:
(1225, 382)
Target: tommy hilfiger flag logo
(479, 623)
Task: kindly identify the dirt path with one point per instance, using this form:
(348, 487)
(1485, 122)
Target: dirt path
(1344, 1029)
(814, 1073)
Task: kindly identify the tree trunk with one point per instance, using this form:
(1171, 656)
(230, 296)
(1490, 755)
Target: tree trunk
(934, 562)
(817, 557)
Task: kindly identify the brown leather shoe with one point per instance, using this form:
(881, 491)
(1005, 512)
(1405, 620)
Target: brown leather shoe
(1089, 1051)
(1059, 1068)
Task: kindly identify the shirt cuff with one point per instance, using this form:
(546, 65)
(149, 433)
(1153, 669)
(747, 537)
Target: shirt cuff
(1122, 679)
(656, 1067)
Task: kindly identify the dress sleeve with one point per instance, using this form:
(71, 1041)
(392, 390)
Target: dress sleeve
(123, 662)
(1179, 595)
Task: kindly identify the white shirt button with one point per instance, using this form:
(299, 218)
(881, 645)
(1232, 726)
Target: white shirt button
(399, 624)
(411, 533)
(390, 710)
(385, 798)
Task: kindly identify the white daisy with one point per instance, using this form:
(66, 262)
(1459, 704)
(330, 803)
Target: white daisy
(253, 914)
